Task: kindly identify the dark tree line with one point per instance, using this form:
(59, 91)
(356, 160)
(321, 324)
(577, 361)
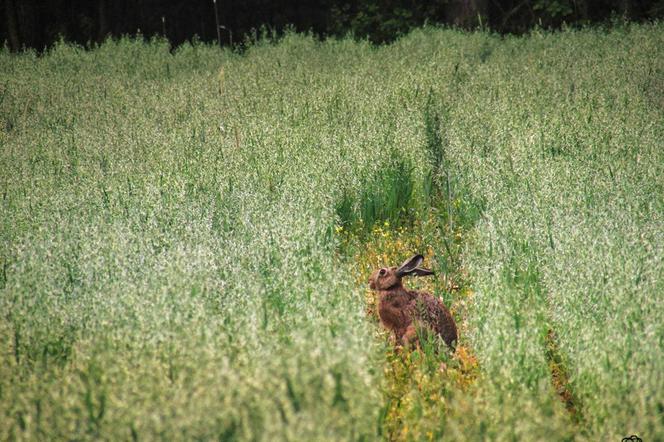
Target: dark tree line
(38, 23)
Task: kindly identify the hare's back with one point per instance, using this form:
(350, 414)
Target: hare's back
(433, 311)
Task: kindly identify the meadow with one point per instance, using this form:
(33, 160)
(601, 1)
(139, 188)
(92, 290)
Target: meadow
(185, 237)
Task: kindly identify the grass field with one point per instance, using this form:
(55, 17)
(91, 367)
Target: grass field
(185, 237)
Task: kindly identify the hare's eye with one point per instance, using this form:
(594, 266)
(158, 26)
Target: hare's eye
(382, 272)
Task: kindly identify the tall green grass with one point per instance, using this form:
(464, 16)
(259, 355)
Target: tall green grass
(569, 167)
(385, 196)
(168, 262)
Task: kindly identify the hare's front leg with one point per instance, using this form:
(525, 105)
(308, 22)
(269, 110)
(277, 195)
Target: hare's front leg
(410, 336)
(393, 338)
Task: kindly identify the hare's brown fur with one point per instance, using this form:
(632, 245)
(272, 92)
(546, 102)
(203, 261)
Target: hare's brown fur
(402, 310)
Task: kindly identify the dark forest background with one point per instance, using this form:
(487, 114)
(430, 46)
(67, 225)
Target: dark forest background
(39, 23)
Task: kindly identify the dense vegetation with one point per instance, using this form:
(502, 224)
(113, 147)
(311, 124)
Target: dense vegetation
(38, 24)
(185, 236)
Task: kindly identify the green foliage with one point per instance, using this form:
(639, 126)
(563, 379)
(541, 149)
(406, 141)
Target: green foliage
(168, 261)
(554, 9)
(386, 196)
(382, 20)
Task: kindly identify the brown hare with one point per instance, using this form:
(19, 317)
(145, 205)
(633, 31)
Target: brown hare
(401, 311)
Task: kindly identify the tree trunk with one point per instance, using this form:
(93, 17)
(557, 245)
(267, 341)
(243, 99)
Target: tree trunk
(626, 9)
(581, 10)
(102, 11)
(466, 13)
(26, 22)
(12, 26)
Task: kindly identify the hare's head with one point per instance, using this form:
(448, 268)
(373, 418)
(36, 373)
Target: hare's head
(390, 277)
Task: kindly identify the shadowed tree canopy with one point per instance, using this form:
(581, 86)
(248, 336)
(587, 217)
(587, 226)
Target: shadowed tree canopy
(38, 23)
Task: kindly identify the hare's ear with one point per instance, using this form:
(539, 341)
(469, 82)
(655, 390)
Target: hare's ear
(410, 265)
(421, 271)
